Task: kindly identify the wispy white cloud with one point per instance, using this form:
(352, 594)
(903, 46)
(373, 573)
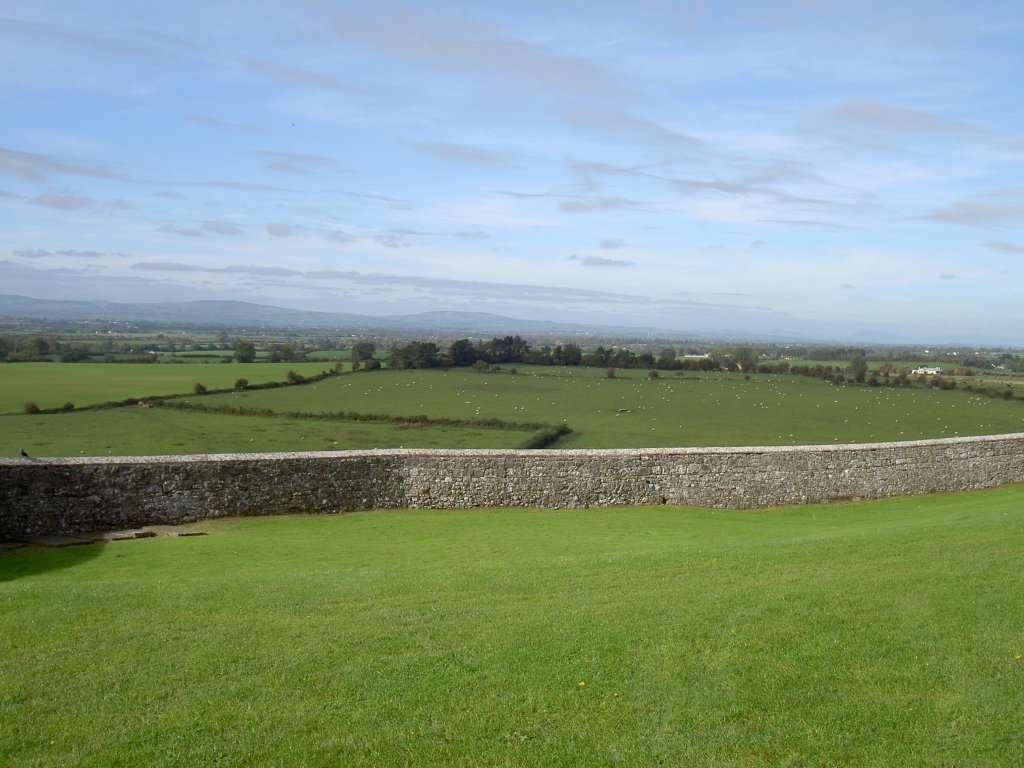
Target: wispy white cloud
(275, 229)
(80, 254)
(1002, 245)
(220, 228)
(826, 225)
(866, 114)
(599, 261)
(592, 204)
(337, 236)
(297, 162)
(176, 229)
(297, 75)
(468, 48)
(234, 186)
(393, 241)
(978, 213)
(241, 269)
(214, 122)
(63, 202)
(37, 167)
(460, 153)
(622, 126)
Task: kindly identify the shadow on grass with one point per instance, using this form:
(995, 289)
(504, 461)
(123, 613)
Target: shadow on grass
(32, 560)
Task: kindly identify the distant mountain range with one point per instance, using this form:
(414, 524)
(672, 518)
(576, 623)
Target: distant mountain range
(241, 315)
(245, 315)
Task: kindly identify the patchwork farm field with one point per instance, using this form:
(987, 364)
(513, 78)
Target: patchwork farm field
(51, 385)
(492, 410)
(883, 633)
(166, 431)
(633, 410)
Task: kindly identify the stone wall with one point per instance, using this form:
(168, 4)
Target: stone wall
(49, 496)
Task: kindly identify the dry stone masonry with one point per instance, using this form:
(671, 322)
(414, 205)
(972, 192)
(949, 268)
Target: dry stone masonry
(61, 496)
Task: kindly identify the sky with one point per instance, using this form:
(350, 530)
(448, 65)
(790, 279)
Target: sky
(830, 169)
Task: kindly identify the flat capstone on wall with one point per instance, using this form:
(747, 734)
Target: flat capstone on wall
(67, 495)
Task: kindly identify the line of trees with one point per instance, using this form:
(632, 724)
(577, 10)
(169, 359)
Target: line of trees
(496, 351)
(514, 349)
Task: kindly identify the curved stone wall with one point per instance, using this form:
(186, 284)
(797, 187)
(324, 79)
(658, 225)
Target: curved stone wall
(50, 496)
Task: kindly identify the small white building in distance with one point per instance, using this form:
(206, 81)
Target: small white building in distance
(927, 371)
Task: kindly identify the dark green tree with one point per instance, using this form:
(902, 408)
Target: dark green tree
(461, 353)
(858, 367)
(667, 358)
(363, 350)
(245, 352)
(416, 354)
(745, 358)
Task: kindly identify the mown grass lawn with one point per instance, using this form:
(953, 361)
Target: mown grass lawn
(884, 633)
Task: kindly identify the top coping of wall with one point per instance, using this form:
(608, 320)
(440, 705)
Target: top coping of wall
(483, 453)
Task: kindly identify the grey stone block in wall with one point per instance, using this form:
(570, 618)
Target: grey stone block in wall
(60, 496)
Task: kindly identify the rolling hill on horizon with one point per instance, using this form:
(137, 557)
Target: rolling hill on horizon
(243, 315)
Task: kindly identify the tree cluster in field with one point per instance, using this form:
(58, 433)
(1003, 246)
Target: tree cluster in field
(23, 349)
(514, 349)
(245, 352)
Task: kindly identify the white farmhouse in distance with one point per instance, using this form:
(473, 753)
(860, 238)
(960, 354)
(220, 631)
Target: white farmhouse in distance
(925, 371)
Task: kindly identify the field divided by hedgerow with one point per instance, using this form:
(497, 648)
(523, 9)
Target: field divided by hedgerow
(167, 431)
(883, 633)
(461, 408)
(51, 385)
(632, 410)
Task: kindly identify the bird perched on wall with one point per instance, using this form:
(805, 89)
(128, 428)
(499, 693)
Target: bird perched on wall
(23, 454)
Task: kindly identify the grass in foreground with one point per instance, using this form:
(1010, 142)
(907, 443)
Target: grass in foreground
(884, 633)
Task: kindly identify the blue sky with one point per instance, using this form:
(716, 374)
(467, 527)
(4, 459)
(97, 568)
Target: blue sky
(845, 170)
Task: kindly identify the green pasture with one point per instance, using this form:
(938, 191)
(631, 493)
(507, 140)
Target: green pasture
(51, 385)
(839, 364)
(870, 634)
(205, 356)
(167, 431)
(335, 355)
(989, 381)
(631, 410)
